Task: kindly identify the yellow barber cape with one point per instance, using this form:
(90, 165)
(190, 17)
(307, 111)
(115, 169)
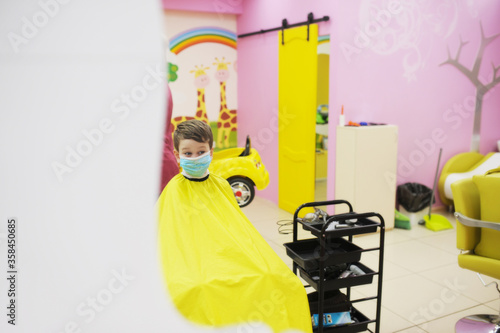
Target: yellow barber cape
(218, 268)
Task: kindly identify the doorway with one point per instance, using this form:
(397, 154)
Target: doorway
(322, 119)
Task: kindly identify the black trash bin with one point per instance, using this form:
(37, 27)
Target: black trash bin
(413, 196)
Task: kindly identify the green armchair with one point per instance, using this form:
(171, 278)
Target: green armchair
(477, 209)
(463, 163)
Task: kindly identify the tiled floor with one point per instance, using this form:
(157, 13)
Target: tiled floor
(424, 290)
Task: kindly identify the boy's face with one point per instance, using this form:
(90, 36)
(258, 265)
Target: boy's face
(190, 148)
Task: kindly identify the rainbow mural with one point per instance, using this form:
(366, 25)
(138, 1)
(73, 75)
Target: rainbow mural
(199, 35)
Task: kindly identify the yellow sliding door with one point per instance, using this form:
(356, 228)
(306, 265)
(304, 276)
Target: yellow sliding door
(298, 58)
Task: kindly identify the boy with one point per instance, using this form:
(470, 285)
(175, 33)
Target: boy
(218, 269)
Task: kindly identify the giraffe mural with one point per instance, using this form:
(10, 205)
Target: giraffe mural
(201, 81)
(227, 121)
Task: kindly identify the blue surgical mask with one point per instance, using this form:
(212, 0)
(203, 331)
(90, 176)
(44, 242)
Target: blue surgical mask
(196, 166)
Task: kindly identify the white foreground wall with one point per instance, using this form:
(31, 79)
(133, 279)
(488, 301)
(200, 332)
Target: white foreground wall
(82, 100)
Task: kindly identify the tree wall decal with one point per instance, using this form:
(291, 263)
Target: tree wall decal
(473, 75)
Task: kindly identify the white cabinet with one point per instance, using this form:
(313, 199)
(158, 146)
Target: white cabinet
(366, 167)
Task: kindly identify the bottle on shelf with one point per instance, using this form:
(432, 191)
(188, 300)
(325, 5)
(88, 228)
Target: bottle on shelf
(341, 117)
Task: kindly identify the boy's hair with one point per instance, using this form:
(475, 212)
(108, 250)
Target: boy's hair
(193, 129)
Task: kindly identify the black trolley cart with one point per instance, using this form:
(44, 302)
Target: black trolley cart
(329, 248)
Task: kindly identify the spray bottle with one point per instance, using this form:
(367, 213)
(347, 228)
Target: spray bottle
(341, 117)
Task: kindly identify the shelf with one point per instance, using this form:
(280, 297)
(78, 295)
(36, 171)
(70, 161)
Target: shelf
(360, 326)
(365, 156)
(306, 253)
(312, 256)
(332, 284)
(362, 226)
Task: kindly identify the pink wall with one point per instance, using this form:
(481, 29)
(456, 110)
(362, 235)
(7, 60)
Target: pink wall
(213, 6)
(397, 81)
(258, 101)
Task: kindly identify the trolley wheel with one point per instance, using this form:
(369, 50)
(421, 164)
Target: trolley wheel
(243, 190)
